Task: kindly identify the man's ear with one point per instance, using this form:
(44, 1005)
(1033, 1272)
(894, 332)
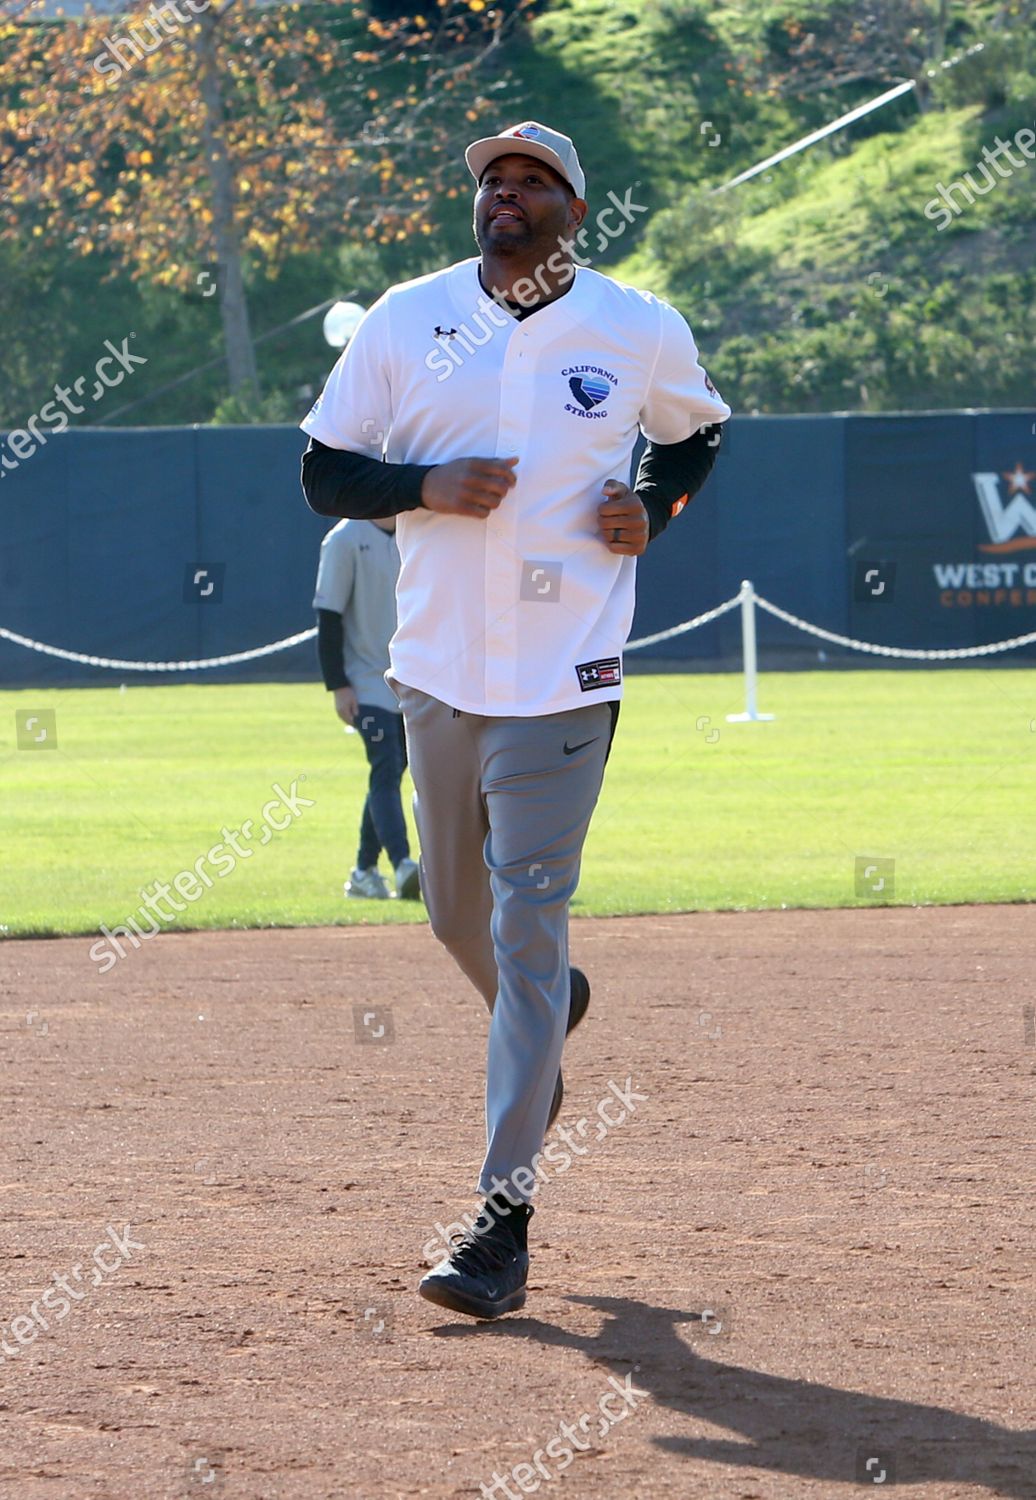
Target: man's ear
(578, 209)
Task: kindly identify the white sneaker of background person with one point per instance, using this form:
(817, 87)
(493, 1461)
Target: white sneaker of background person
(408, 880)
(368, 885)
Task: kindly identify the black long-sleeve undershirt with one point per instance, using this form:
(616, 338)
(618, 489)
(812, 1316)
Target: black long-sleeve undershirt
(337, 482)
(330, 640)
(671, 472)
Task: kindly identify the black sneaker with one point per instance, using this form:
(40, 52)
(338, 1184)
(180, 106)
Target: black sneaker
(578, 998)
(578, 1002)
(555, 1103)
(487, 1270)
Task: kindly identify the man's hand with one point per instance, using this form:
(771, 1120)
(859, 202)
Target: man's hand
(346, 706)
(623, 520)
(468, 486)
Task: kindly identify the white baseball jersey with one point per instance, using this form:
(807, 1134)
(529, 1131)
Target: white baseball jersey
(526, 612)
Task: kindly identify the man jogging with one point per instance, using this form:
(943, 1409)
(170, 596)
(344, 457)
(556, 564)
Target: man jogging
(506, 394)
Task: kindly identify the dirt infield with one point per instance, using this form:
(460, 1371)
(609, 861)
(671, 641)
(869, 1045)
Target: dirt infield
(809, 1244)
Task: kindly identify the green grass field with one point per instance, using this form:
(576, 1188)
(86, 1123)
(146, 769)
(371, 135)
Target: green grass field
(933, 770)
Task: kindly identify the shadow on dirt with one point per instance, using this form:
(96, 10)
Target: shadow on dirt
(785, 1426)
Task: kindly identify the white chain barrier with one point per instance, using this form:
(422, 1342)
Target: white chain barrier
(747, 598)
(910, 653)
(118, 665)
(667, 635)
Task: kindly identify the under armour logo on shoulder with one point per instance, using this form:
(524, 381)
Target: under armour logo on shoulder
(444, 333)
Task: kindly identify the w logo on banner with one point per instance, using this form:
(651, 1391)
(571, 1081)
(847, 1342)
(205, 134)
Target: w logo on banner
(1003, 519)
(588, 390)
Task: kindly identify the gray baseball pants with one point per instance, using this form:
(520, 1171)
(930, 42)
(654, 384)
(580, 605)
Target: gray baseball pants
(502, 807)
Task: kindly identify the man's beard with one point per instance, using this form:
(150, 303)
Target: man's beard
(509, 243)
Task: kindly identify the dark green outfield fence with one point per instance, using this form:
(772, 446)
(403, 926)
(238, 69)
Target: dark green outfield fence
(185, 543)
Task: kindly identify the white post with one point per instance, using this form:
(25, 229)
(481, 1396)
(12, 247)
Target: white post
(751, 714)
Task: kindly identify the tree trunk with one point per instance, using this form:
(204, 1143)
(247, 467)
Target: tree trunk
(942, 26)
(237, 333)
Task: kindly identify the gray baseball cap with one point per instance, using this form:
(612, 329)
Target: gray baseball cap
(529, 139)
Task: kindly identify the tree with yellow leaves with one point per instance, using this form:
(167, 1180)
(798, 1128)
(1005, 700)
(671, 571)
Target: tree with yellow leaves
(195, 139)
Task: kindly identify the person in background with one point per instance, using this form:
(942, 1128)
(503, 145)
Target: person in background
(355, 603)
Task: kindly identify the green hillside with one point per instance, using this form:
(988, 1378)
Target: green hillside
(842, 294)
(821, 285)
